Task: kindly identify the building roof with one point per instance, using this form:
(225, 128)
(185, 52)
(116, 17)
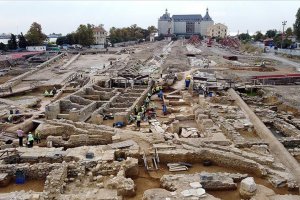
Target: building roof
(207, 17)
(166, 16)
(191, 18)
(99, 29)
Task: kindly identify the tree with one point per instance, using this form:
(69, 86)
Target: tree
(152, 29)
(71, 38)
(297, 25)
(278, 40)
(132, 33)
(12, 43)
(35, 36)
(84, 35)
(271, 33)
(244, 37)
(22, 41)
(289, 32)
(3, 46)
(258, 36)
(61, 40)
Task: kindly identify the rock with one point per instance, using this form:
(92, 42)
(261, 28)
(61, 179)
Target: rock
(35, 197)
(195, 185)
(124, 186)
(248, 188)
(193, 192)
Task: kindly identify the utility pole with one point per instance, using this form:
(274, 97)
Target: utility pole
(283, 24)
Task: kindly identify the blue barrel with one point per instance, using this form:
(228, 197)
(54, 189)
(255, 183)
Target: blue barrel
(210, 94)
(20, 177)
(187, 83)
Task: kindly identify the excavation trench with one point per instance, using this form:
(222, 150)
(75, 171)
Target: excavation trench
(151, 179)
(36, 185)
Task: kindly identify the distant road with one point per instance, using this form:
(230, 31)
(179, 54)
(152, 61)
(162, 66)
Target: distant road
(283, 60)
(264, 55)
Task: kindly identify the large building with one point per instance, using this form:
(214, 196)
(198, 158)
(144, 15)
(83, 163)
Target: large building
(182, 25)
(100, 36)
(217, 30)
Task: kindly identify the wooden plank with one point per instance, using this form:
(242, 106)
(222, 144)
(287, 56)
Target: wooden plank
(163, 146)
(123, 144)
(178, 169)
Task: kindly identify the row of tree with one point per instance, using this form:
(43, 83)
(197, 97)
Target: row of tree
(131, 33)
(83, 36)
(33, 37)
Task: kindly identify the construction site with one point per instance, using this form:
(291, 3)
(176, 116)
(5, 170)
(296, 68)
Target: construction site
(164, 120)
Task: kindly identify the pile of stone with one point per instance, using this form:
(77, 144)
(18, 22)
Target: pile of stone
(191, 133)
(156, 126)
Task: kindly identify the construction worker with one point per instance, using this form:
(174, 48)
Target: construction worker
(157, 88)
(147, 101)
(131, 81)
(142, 111)
(136, 110)
(164, 108)
(37, 137)
(30, 139)
(138, 121)
(10, 118)
(153, 90)
(130, 118)
(187, 81)
(160, 94)
(46, 93)
(20, 135)
(54, 91)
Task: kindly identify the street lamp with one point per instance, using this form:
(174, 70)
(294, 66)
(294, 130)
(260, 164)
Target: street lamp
(283, 24)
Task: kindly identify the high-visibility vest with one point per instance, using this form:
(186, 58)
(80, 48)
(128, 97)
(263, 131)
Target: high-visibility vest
(138, 118)
(30, 137)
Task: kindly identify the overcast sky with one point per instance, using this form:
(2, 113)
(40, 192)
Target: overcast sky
(65, 16)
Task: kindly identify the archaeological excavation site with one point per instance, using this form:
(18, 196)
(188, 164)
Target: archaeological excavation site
(159, 120)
